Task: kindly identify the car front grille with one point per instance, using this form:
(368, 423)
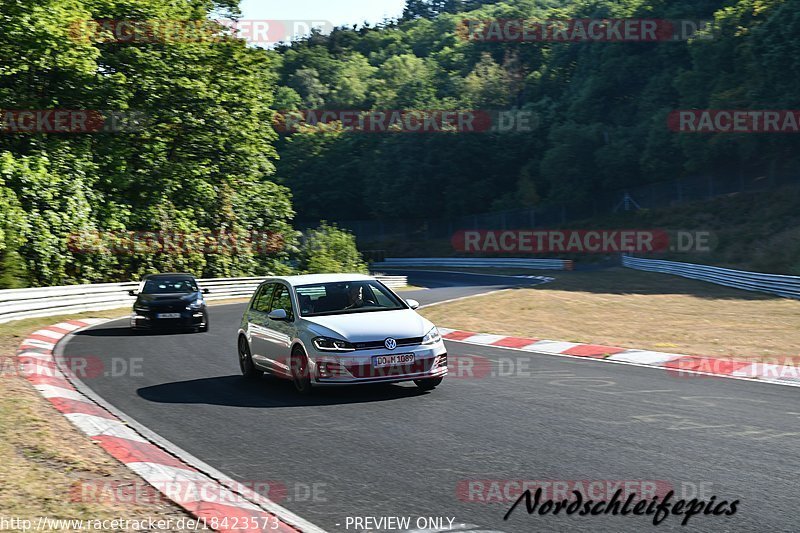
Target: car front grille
(176, 308)
(372, 345)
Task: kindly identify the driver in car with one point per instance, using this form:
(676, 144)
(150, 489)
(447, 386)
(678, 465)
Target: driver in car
(356, 297)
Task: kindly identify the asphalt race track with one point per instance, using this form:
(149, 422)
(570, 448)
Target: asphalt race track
(391, 450)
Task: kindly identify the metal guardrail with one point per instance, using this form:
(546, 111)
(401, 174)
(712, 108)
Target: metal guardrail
(393, 282)
(537, 264)
(18, 304)
(785, 286)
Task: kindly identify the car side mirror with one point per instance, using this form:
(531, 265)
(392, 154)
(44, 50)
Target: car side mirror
(413, 304)
(278, 314)
(206, 291)
(132, 293)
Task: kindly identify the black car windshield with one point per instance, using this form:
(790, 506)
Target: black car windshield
(169, 286)
(346, 297)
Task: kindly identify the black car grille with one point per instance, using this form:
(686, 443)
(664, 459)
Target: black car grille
(372, 345)
(172, 308)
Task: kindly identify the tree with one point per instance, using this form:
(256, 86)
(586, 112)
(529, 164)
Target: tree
(206, 133)
(489, 85)
(432, 8)
(329, 249)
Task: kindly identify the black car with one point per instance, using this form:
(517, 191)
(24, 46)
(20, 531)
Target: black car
(169, 301)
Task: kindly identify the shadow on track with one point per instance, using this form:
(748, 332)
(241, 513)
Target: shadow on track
(125, 331)
(269, 392)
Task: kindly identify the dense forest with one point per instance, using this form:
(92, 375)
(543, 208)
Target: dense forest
(602, 107)
(201, 163)
(206, 158)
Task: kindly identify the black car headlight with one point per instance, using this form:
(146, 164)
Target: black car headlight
(326, 344)
(195, 306)
(141, 308)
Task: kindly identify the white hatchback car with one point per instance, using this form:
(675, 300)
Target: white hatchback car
(338, 329)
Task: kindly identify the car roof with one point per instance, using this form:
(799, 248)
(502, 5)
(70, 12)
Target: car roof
(315, 279)
(169, 275)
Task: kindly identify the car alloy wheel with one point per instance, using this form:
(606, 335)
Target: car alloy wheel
(300, 372)
(249, 370)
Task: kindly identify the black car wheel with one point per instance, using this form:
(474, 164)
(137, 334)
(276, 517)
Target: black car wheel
(300, 372)
(428, 384)
(204, 327)
(249, 370)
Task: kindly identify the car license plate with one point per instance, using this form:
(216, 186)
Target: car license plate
(382, 361)
(168, 315)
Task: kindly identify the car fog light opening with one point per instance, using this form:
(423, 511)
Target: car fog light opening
(331, 370)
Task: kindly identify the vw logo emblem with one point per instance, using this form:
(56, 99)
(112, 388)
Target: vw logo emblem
(390, 343)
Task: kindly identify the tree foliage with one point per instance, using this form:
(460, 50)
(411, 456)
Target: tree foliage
(200, 162)
(602, 107)
(204, 160)
(328, 249)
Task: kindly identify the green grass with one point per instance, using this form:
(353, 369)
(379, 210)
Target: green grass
(750, 231)
(44, 456)
(631, 309)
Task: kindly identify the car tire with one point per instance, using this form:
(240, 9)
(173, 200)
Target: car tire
(301, 377)
(204, 327)
(246, 364)
(428, 384)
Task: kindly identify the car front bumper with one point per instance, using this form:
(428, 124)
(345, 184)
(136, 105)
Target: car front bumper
(358, 367)
(149, 320)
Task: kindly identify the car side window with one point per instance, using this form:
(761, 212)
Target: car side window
(263, 298)
(282, 299)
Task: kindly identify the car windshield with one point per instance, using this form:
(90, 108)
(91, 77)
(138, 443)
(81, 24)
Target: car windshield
(169, 286)
(345, 298)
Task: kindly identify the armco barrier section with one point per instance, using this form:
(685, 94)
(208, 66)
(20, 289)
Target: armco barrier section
(785, 286)
(394, 282)
(485, 262)
(17, 304)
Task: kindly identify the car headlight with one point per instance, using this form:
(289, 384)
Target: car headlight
(196, 305)
(432, 337)
(327, 344)
(141, 308)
